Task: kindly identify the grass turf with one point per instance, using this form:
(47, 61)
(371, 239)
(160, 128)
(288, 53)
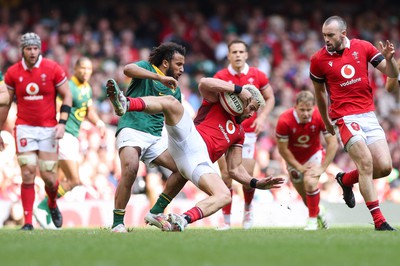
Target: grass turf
(149, 246)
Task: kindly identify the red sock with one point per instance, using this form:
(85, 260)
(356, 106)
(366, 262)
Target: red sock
(376, 213)
(312, 199)
(226, 210)
(248, 197)
(136, 104)
(350, 178)
(194, 213)
(27, 198)
(52, 195)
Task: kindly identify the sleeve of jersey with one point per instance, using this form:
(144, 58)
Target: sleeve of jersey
(315, 73)
(374, 56)
(59, 76)
(8, 81)
(263, 79)
(281, 131)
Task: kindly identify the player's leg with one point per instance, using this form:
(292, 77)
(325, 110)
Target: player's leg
(27, 147)
(248, 193)
(312, 195)
(28, 164)
(219, 196)
(129, 157)
(227, 209)
(48, 164)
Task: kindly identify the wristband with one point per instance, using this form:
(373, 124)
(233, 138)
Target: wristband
(62, 121)
(65, 109)
(238, 89)
(253, 183)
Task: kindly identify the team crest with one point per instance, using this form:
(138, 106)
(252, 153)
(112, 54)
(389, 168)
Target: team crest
(355, 55)
(251, 80)
(23, 142)
(43, 77)
(355, 126)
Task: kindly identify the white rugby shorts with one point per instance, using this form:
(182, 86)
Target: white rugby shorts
(32, 138)
(151, 146)
(189, 150)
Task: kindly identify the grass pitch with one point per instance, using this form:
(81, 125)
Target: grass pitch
(148, 246)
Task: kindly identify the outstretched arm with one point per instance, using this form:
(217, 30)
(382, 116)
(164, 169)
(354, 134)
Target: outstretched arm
(135, 71)
(239, 173)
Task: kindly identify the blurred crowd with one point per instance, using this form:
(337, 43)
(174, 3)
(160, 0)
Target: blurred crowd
(281, 40)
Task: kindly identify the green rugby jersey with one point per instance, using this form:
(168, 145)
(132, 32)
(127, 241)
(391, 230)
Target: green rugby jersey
(81, 100)
(141, 121)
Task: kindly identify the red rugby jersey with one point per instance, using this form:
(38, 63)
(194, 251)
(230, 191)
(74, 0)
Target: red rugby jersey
(346, 77)
(35, 91)
(304, 139)
(218, 129)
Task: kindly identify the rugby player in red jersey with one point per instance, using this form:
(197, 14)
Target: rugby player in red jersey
(35, 82)
(340, 71)
(298, 132)
(196, 145)
(240, 73)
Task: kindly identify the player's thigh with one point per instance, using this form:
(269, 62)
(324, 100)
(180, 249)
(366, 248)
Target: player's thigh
(381, 158)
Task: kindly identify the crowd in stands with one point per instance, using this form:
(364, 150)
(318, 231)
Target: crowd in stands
(281, 40)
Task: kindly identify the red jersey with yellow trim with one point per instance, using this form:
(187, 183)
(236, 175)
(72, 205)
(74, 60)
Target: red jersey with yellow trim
(304, 139)
(35, 91)
(346, 77)
(218, 129)
(249, 75)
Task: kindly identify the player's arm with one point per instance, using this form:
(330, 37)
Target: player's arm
(288, 156)
(238, 172)
(392, 84)
(321, 99)
(210, 88)
(4, 113)
(388, 66)
(331, 148)
(134, 71)
(4, 95)
(269, 97)
(94, 118)
(66, 96)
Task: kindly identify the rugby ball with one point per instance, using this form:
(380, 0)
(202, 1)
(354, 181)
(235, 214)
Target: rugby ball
(231, 103)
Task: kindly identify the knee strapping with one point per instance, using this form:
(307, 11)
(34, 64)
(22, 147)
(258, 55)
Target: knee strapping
(48, 166)
(27, 159)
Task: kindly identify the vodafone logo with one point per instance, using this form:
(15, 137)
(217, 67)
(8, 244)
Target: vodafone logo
(32, 88)
(347, 71)
(230, 127)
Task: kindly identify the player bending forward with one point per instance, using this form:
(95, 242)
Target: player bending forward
(196, 145)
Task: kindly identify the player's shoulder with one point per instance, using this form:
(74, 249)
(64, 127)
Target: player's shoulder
(320, 53)
(286, 115)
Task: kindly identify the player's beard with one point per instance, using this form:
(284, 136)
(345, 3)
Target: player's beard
(170, 73)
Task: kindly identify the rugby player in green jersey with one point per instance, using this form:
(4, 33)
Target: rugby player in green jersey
(82, 108)
(139, 134)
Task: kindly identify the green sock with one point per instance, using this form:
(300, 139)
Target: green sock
(119, 215)
(161, 204)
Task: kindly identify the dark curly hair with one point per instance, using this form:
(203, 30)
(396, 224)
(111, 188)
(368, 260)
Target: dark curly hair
(165, 52)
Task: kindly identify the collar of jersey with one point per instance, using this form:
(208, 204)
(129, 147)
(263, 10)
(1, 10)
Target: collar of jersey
(37, 64)
(233, 72)
(346, 46)
(77, 82)
(159, 72)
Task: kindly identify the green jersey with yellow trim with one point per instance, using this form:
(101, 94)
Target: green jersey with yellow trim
(81, 100)
(142, 121)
